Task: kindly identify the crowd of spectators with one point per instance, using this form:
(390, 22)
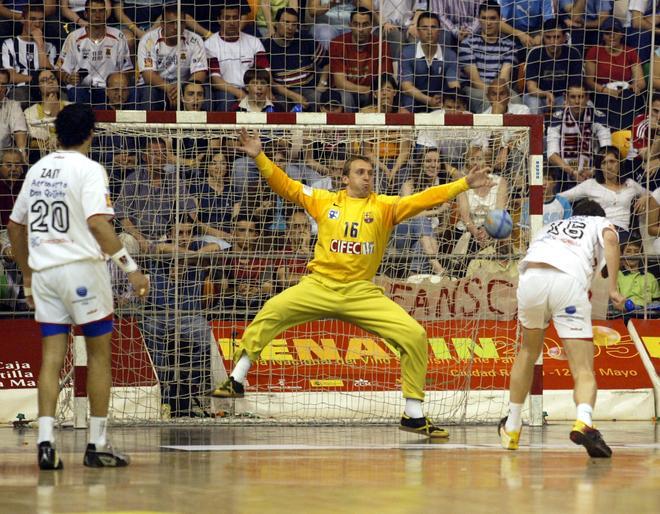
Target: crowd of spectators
(581, 65)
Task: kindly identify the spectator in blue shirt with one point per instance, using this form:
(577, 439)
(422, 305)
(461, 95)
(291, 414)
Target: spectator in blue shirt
(550, 69)
(427, 69)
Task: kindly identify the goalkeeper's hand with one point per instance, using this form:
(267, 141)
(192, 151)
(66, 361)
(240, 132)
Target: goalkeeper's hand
(250, 144)
(479, 177)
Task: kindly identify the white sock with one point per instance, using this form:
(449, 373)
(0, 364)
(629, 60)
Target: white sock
(46, 424)
(584, 411)
(97, 430)
(413, 408)
(241, 369)
(514, 420)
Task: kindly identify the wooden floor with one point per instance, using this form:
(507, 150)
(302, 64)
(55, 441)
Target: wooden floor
(336, 470)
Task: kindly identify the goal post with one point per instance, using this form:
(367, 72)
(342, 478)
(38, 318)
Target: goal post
(210, 283)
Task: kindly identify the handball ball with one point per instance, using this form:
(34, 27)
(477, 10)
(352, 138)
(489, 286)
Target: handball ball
(498, 224)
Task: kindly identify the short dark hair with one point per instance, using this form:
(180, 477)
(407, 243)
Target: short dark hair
(490, 5)
(361, 10)
(286, 10)
(655, 98)
(587, 207)
(382, 80)
(256, 74)
(90, 2)
(32, 6)
(171, 8)
(552, 24)
(427, 15)
(74, 124)
(347, 164)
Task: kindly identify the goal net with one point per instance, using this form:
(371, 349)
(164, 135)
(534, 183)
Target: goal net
(217, 243)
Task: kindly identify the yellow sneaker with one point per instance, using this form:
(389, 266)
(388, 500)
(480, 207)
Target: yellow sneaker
(165, 411)
(509, 440)
(591, 439)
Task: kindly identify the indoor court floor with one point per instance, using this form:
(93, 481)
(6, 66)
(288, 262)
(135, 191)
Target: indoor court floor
(311, 469)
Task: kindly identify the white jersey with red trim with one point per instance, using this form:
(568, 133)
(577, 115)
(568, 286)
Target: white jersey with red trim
(154, 54)
(61, 191)
(230, 60)
(574, 245)
(99, 58)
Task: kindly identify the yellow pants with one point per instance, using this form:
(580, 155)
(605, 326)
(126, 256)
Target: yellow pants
(361, 303)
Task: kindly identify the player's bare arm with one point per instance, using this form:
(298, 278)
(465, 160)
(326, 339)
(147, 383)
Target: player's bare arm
(105, 235)
(19, 243)
(612, 258)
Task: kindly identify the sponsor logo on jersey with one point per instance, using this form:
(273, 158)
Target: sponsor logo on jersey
(108, 201)
(81, 291)
(352, 247)
(368, 217)
(108, 52)
(149, 62)
(333, 214)
(183, 56)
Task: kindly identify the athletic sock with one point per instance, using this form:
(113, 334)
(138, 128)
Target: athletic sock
(97, 430)
(514, 420)
(241, 369)
(584, 412)
(46, 424)
(413, 408)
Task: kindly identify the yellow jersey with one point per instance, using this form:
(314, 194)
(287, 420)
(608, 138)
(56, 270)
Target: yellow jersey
(352, 232)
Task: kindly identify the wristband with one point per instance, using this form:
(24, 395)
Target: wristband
(27, 291)
(124, 261)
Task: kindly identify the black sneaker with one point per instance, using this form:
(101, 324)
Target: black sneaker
(48, 456)
(591, 439)
(229, 389)
(104, 457)
(422, 426)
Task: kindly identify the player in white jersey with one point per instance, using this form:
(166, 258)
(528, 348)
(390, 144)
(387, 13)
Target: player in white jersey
(555, 276)
(166, 55)
(90, 54)
(60, 232)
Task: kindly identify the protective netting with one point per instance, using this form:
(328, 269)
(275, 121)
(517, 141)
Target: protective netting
(217, 243)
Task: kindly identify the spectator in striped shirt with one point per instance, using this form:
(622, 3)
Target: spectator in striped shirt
(485, 56)
(24, 55)
(299, 66)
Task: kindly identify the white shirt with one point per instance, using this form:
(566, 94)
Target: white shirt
(574, 245)
(155, 55)
(61, 191)
(100, 58)
(480, 206)
(233, 58)
(617, 204)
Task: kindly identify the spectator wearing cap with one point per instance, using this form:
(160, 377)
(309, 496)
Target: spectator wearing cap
(550, 69)
(615, 74)
(299, 66)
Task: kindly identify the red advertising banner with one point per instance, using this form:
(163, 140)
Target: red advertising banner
(463, 354)
(20, 356)
(649, 333)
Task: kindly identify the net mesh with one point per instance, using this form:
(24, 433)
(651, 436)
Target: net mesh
(217, 243)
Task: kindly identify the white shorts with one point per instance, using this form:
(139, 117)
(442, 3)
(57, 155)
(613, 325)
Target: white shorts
(75, 293)
(547, 293)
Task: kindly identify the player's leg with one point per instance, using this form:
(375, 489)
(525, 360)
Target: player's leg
(55, 324)
(98, 339)
(580, 353)
(54, 345)
(522, 374)
(366, 306)
(87, 293)
(571, 310)
(533, 316)
(306, 301)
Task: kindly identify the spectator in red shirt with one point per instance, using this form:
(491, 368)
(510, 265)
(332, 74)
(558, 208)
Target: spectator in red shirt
(614, 72)
(354, 61)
